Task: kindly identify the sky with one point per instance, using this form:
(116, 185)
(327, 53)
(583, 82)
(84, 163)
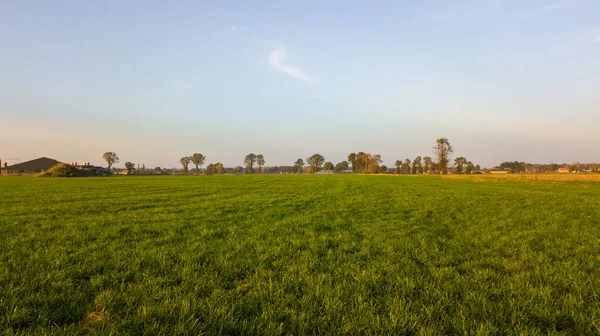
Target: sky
(157, 80)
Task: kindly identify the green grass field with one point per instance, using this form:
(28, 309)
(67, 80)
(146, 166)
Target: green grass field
(299, 255)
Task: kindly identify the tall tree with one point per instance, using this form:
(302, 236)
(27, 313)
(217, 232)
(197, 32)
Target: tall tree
(398, 166)
(328, 166)
(129, 166)
(260, 161)
(315, 162)
(299, 164)
(352, 161)
(185, 162)
(460, 162)
(198, 160)
(110, 158)
(406, 166)
(428, 164)
(443, 149)
(249, 161)
(417, 168)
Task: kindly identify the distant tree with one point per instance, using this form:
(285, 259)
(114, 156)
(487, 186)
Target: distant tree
(249, 161)
(417, 168)
(374, 162)
(398, 166)
(143, 167)
(352, 161)
(211, 169)
(110, 158)
(459, 162)
(428, 164)
(365, 163)
(341, 166)
(443, 149)
(469, 168)
(219, 168)
(383, 169)
(185, 162)
(130, 166)
(477, 168)
(299, 164)
(260, 161)
(328, 166)
(238, 170)
(157, 169)
(406, 166)
(198, 160)
(516, 166)
(315, 162)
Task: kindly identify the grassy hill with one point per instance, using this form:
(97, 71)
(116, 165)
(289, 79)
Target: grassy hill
(299, 255)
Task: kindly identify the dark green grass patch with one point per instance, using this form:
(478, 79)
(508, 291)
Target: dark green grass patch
(299, 255)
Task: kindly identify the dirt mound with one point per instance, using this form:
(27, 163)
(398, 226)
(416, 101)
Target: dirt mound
(63, 170)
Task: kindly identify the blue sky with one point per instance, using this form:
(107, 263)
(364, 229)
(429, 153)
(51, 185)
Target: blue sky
(154, 80)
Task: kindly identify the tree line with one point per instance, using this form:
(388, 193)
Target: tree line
(358, 163)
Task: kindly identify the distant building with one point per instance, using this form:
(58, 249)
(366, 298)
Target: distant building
(500, 171)
(32, 167)
(324, 172)
(347, 171)
(564, 170)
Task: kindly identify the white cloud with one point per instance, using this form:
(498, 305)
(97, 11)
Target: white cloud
(277, 58)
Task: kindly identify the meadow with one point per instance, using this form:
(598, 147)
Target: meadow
(270, 255)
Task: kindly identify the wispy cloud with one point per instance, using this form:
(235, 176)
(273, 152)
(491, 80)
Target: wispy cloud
(233, 28)
(278, 57)
(556, 6)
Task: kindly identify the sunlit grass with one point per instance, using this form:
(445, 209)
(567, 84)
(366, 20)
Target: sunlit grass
(299, 255)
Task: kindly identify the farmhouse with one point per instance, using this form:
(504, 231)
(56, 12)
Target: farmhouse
(32, 167)
(564, 170)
